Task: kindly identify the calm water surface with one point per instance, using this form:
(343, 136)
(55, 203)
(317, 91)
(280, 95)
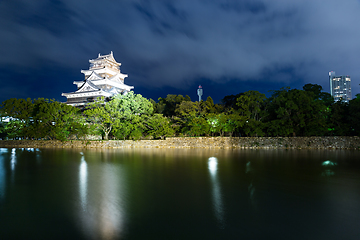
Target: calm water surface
(179, 194)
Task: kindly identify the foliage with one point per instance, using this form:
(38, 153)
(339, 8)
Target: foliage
(293, 112)
(250, 106)
(56, 120)
(101, 116)
(230, 102)
(123, 116)
(167, 106)
(288, 112)
(325, 97)
(338, 122)
(198, 126)
(159, 126)
(41, 118)
(354, 116)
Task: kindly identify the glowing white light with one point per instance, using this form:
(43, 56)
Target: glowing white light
(111, 215)
(13, 159)
(83, 181)
(3, 150)
(104, 215)
(213, 162)
(216, 192)
(328, 163)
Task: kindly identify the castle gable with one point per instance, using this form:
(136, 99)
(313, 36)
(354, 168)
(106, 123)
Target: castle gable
(94, 76)
(88, 87)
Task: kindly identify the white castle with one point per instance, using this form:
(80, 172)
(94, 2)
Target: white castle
(103, 79)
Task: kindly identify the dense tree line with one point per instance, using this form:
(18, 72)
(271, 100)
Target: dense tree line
(129, 116)
(288, 112)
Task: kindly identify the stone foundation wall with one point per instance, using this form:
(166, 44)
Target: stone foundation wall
(200, 142)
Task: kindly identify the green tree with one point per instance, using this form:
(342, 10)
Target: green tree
(20, 112)
(131, 105)
(167, 106)
(318, 94)
(123, 116)
(215, 123)
(198, 126)
(250, 107)
(230, 102)
(354, 115)
(188, 110)
(159, 126)
(55, 120)
(293, 112)
(232, 122)
(102, 116)
(184, 114)
(208, 106)
(132, 112)
(42, 118)
(338, 122)
(314, 88)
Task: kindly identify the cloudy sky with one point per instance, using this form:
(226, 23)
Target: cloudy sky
(172, 46)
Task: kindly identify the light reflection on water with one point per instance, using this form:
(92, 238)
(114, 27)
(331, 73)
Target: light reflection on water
(13, 159)
(159, 194)
(2, 176)
(102, 208)
(216, 192)
(328, 168)
(251, 188)
(83, 182)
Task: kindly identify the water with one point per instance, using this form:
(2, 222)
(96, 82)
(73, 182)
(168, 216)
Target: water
(179, 194)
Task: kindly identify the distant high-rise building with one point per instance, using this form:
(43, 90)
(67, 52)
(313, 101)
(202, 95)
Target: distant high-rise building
(340, 87)
(200, 92)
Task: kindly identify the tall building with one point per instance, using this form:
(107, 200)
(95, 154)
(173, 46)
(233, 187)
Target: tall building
(103, 79)
(340, 87)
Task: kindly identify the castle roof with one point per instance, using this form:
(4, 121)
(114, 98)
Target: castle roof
(103, 79)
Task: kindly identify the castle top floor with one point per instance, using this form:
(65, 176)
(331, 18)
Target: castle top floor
(105, 61)
(104, 66)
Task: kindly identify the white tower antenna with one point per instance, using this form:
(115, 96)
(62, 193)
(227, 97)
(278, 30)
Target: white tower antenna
(200, 92)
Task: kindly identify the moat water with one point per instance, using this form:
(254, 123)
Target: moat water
(179, 194)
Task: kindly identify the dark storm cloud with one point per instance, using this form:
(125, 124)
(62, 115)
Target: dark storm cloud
(176, 43)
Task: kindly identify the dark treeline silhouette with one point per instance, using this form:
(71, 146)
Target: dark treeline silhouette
(288, 113)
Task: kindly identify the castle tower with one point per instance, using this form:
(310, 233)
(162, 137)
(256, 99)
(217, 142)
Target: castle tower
(103, 79)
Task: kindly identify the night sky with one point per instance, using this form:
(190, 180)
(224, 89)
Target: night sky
(172, 46)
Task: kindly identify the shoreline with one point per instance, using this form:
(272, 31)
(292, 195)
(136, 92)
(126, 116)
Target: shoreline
(198, 142)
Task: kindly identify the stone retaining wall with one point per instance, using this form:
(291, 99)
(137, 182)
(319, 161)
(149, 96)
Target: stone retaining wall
(200, 142)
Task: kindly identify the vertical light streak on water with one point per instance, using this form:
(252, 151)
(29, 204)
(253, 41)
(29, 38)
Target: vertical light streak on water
(13, 159)
(111, 203)
(101, 195)
(38, 158)
(2, 176)
(251, 187)
(216, 192)
(83, 172)
(83, 195)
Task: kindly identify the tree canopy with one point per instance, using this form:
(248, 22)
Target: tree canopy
(287, 112)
